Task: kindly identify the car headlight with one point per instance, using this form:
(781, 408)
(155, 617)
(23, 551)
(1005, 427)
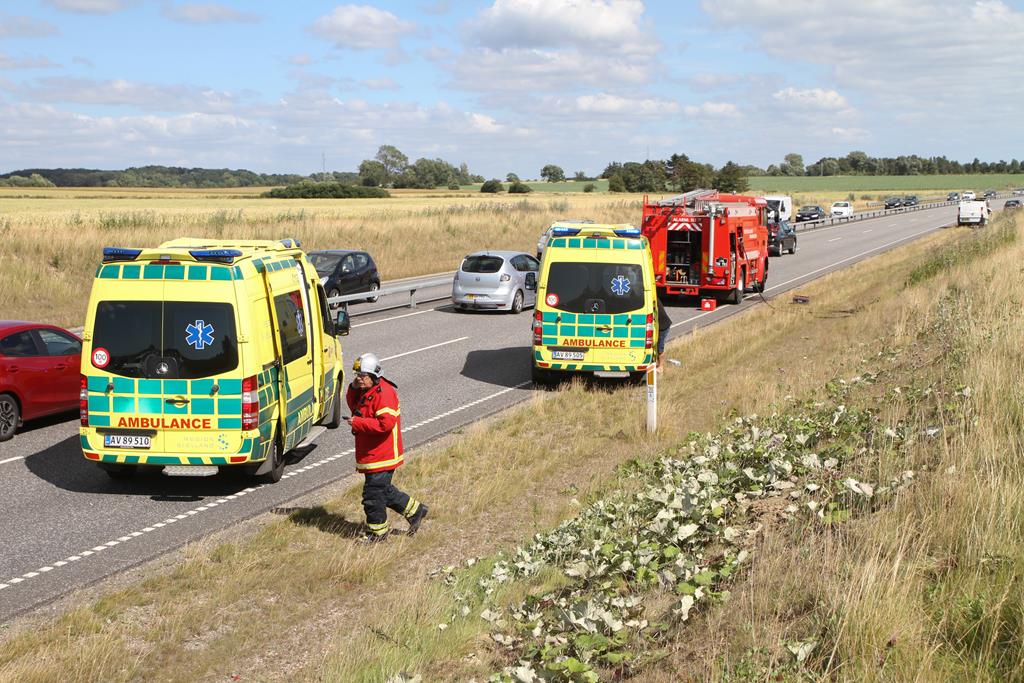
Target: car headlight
(323, 281)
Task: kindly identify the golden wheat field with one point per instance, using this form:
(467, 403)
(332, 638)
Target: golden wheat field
(51, 240)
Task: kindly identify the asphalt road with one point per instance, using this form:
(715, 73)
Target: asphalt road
(67, 525)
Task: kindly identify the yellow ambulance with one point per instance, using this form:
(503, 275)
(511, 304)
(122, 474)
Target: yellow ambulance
(597, 304)
(203, 354)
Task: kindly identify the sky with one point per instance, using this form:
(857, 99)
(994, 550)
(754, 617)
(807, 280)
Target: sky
(505, 85)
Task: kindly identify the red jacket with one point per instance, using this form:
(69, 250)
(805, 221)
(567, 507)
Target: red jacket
(377, 426)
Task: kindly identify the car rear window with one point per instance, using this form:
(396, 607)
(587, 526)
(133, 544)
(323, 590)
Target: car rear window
(166, 339)
(482, 264)
(596, 287)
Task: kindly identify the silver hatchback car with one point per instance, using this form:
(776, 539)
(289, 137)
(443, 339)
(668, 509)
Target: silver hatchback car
(497, 280)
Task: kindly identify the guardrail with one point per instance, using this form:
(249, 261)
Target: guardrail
(409, 288)
(865, 215)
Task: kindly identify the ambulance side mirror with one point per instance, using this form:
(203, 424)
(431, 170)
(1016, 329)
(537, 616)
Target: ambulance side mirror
(342, 324)
(531, 282)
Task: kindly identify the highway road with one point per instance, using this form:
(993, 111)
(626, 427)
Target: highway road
(68, 525)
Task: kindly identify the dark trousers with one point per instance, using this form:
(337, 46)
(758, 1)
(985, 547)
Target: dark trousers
(379, 494)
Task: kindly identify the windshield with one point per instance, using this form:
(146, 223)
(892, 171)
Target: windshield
(482, 264)
(166, 340)
(325, 263)
(596, 287)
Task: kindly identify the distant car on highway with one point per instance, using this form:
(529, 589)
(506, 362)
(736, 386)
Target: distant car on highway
(496, 280)
(39, 373)
(910, 200)
(953, 197)
(781, 238)
(989, 194)
(894, 202)
(1012, 204)
(811, 212)
(968, 196)
(346, 271)
(1019, 191)
(841, 210)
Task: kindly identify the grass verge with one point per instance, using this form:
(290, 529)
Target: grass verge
(297, 601)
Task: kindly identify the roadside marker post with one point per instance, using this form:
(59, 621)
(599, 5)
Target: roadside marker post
(652, 399)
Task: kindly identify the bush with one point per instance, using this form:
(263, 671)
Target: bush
(850, 197)
(454, 186)
(307, 189)
(519, 188)
(492, 186)
(616, 184)
(589, 187)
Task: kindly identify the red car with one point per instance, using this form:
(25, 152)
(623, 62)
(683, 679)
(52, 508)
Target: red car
(40, 373)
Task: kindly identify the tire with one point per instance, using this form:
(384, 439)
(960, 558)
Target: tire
(374, 287)
(542, 378)
(792, 249)
(333, 419)
(517, 303)
(119, 472)
(736, 295)
(330, 295)
(276, 465)
(10, 417)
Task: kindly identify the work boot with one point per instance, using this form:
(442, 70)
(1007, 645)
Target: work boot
(417, 519)
(370, 538)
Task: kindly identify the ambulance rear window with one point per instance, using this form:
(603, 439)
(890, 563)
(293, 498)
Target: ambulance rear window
(166, 340)
(596, 287)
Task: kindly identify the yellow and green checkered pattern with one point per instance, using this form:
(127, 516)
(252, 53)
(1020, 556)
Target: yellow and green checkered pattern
(630, 326)
(154, 270)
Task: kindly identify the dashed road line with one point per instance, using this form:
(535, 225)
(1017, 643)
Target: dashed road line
(835, 239)
(17, 457)
(396, 317)
(425, 348)
(221, 501)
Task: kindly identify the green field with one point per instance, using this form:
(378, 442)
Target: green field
(975, 181)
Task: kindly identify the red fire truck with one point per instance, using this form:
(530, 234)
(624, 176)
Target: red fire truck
(710, 244)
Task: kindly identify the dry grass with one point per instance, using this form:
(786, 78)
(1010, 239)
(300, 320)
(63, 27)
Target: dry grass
(52, 239)
(296, 600)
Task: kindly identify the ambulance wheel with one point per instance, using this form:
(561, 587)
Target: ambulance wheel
(333, 420)
(517, 303)
(542, 378)
(119, 471)
(276, 471)
(10, 417)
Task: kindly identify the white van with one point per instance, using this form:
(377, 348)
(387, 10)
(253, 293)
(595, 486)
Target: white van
(780, 207)
(973, 213)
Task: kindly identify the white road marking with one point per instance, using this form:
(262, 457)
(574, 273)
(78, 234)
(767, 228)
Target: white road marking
(866, 232)
(289, 473)
(835, 239)
(17, 457)
(387, 320)
(425, 348)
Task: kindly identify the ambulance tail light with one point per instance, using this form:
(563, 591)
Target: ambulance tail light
(538, 328)
(250, 403)
(83, 402)
(649, 341)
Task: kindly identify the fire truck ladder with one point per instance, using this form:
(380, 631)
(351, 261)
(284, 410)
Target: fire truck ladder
(690, 198)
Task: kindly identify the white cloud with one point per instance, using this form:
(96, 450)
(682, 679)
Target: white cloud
(300, 59)
(485, 124)
(603, 103)
(8, 62)
(850, 134)
(208, 13)
(119, 92)
(361, 27)
(812, 98)
(384, 83)
(91, 6)
(13, 26)
(713, 110)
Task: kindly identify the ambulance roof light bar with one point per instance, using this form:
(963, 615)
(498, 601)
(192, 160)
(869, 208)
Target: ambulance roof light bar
(227, 256)
(120, 254)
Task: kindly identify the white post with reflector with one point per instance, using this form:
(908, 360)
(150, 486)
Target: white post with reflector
(652, 398)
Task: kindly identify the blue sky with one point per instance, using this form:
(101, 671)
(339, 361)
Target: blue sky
(504, 85)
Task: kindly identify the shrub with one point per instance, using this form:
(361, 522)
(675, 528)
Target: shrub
(454, 186)
(519, 188)
(616, 184)
(492, 186)
(850, 197)
(589, 187)
(308, 189)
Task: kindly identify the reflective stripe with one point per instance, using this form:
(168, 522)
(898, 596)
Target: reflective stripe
(411, 507)
(380, 463)
(388, 411)
(378, 529)
(394, 438)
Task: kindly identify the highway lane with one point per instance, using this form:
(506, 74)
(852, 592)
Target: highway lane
(68, 525)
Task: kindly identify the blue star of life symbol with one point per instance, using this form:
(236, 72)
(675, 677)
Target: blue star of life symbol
(620, 286)
(199, 335)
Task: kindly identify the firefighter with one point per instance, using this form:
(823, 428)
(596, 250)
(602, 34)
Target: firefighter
(664, 324)
(377, 425)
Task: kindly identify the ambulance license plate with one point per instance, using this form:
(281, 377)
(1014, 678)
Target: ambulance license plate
(567, 355)
(125, 441)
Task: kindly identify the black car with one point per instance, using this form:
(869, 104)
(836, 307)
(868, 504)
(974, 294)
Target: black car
(989, 194)
(1013, 204)
(343, 271)
(894, 202)
(810, 213)
(953, 197)
(781, 238)
(910, 200)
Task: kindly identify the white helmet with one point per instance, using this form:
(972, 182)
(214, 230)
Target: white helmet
(369, 364)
